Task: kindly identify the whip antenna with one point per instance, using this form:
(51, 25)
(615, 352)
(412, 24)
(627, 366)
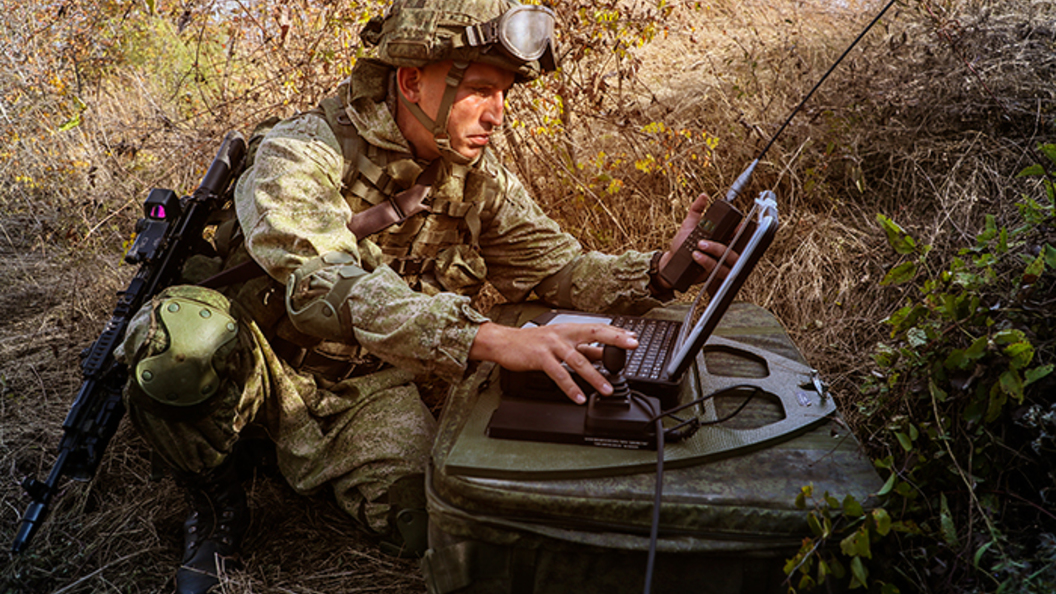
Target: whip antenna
(742, 179)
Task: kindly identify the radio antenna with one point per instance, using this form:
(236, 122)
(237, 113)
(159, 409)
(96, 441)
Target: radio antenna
(742, 179)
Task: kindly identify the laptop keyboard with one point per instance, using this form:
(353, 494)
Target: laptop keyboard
(655, 338)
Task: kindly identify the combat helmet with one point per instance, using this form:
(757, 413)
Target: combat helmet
(504, 33)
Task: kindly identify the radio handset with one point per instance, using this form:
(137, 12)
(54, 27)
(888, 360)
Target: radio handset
(719, 223)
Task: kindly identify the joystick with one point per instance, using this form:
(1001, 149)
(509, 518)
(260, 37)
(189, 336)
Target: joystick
(625, 414)
(613, 359)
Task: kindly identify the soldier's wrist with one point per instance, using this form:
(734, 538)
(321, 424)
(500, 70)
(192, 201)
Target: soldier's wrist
(657, 287)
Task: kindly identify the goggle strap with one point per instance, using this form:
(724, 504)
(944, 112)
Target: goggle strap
(479, 35)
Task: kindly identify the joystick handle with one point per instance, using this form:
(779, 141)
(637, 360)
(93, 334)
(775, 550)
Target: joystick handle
(613, 358)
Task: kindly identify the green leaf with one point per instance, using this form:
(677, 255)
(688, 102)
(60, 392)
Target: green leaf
(1020, 353)
(859, 573)
(904, 489)
(907, 316)
(1033, 375)
(896, 236)
(982, 551)
(1002, 241)
(936, 392)
(1049, 150)
(989, 231)
(823, 570)
(883, 521)
(832, 501)
(887, 485)
(1009, 336)
(851, 507)
(917, 337)
(1012, 384)
(1050, 255)
(904, 441)
(836, 568)
(71, 123)
(890, 589)
(815, 525)
(1034, 270)
(902, 273)
(949, 531)
(857, 543)
(996, 402)
(957, 359)
(1034, 170)
(885, 356)
(978, 348)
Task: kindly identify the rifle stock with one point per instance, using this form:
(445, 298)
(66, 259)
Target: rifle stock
(168, 233)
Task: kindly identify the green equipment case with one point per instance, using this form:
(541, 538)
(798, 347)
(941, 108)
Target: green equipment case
(521, 516)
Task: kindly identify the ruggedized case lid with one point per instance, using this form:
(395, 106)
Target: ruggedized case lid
(732, 488)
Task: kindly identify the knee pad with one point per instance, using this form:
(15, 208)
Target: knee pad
(180, 359)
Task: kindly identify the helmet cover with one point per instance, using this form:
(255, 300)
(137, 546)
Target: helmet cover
(415, 33)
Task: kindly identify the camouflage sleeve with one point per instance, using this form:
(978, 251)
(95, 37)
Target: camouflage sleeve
(523, 247)
(292, 212)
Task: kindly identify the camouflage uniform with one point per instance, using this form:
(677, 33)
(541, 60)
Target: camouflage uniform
(362, 434)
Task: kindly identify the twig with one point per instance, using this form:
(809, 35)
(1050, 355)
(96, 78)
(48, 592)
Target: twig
(1024, 500)
(108, 217)
(960, 471)
(100, 570)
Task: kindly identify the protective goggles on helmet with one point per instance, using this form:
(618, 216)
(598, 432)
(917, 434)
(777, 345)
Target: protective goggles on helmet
(525, 32)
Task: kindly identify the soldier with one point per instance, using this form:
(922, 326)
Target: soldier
(323, 352)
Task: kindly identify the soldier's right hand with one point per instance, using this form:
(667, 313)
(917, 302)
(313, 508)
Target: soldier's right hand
(545, 348)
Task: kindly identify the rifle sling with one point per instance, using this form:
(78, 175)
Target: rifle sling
(240, 273)
(396, 209)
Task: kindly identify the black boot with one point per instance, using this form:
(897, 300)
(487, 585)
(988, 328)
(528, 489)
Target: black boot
(212, 533)
(408, 518)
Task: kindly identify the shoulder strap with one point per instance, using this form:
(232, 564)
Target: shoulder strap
(398, 208)
(389, 206)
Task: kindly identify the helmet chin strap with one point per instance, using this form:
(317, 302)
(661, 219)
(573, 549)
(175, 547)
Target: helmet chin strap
(439, 126)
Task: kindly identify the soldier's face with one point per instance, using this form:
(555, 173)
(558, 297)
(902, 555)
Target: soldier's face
(477, 111)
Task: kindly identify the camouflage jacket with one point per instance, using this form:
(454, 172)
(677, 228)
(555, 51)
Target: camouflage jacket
(293, 208)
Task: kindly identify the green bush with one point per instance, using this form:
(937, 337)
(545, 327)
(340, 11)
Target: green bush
(964, 395)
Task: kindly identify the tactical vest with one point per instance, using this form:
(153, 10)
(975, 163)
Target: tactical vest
(433, 251)
(436, 250)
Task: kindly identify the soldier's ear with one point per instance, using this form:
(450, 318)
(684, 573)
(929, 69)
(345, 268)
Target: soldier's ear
(409, 80)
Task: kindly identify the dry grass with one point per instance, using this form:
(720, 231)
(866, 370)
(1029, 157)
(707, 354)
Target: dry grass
(933, 125)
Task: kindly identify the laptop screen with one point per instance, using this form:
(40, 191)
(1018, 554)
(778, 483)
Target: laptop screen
(702, 318)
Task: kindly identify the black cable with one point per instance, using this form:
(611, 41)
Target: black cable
(654, 531)
(661, 433)
(675, 434)
(756, 390)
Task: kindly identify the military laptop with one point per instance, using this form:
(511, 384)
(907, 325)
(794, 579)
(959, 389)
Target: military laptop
(666, 347)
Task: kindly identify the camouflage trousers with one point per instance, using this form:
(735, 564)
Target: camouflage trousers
(359, 435)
